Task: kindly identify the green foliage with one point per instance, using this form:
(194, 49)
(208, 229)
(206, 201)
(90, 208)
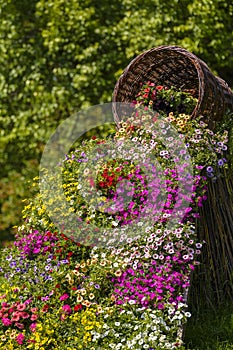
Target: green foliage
(211, 329)
(58, 56)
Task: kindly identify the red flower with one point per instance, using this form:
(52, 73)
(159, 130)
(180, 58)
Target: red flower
(78, 307)
(64, 236)
(59, 250)
(45, 308)
(159, 87)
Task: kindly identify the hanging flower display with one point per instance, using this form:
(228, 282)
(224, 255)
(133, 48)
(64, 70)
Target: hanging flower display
(125, 288)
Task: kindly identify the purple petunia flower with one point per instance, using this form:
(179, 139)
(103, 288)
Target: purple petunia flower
(209, 169)
(220, 162)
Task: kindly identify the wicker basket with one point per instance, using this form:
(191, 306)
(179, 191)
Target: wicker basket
(175, 66)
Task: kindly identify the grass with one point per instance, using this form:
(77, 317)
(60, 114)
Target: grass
(210, 329)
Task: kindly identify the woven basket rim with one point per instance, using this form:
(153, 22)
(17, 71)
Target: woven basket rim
(194, 60)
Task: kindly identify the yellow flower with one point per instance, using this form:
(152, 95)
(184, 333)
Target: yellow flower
(180, 122)
(41, 210)
(39, 327)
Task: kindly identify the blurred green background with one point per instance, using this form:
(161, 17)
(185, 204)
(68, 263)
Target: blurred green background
(58, 56)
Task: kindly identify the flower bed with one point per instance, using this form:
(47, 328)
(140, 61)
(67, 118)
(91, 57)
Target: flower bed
(120, 280)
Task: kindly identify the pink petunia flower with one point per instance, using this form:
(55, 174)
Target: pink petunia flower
(15, 318)
(19, 325)
(34, 309)
(25, 315)
(21, 307)
(33, 327)
(34, 317)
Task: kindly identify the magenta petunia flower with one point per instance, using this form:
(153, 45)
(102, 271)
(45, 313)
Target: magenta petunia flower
(67, 309)
(33, 326)
(20, 338)
(64, 296)
(6, 321)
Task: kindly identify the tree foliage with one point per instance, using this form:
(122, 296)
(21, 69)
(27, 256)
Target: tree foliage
(58, 56)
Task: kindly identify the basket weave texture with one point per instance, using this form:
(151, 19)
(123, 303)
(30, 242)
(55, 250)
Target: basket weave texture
(175, 66)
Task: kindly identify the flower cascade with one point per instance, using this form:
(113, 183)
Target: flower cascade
(121, 280)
